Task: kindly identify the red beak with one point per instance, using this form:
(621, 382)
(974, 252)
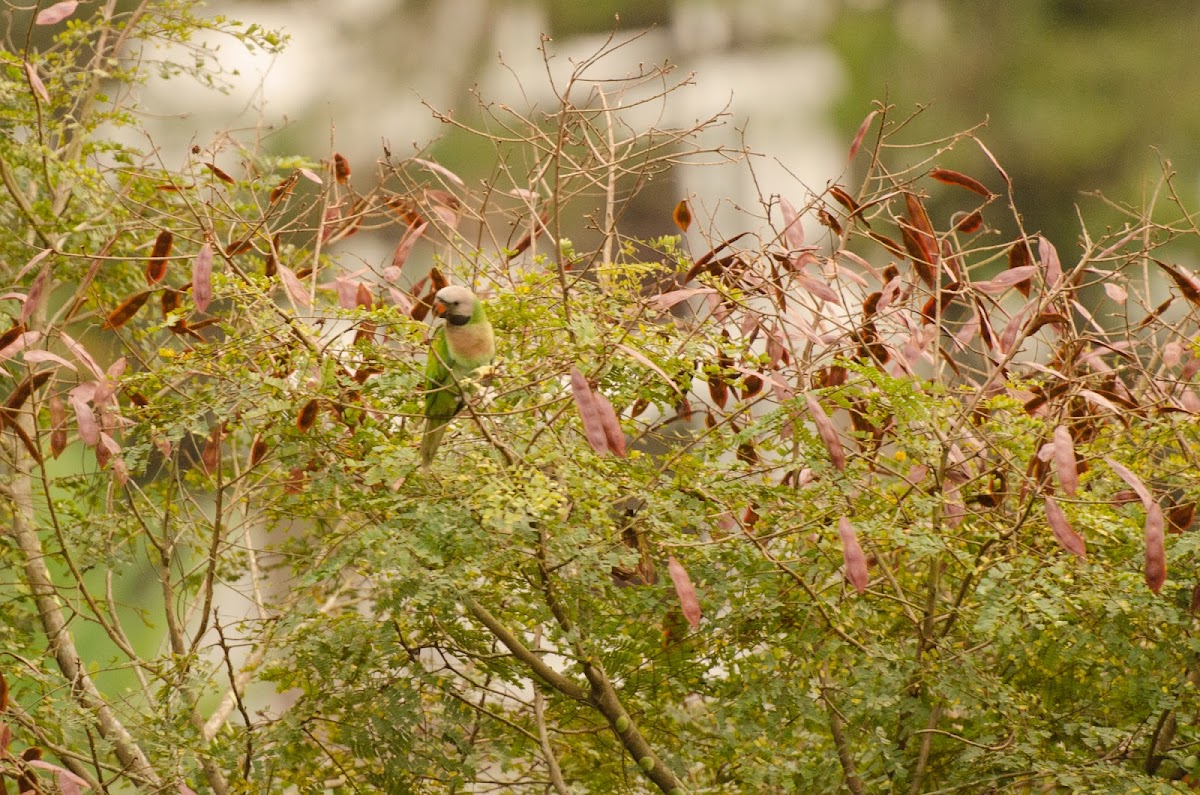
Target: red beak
(439, 308)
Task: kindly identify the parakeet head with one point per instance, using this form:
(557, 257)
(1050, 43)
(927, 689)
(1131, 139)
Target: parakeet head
(456, 304)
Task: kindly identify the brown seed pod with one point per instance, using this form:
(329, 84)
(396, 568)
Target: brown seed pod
(689, 603)
(126, 310)
(307, 415)
(341, 168)
(156, 266)
(682, 215)
(852, 556)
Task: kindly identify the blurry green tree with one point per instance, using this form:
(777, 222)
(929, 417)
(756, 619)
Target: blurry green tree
(1077, 95)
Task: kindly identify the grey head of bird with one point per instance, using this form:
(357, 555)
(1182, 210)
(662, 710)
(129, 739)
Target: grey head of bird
(455, 303)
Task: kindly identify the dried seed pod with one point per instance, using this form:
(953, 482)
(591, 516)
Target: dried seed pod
(156, 266)
(852, 556)
(341, 168)
(1180, 516)
(202, 278)
(948, 177)
(283, 189)
(10, 336)
(1064, 460)
(828, 434)
(682, 215)
(126, 310)
(1156, 554)
(1019, 257)
(220, 174)
(307, 415)
(860, 134)
(689, 603)
(1063, 532)
(258, 449)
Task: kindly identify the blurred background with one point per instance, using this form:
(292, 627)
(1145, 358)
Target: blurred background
(1078, 96)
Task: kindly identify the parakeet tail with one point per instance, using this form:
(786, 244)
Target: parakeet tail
(434, 430)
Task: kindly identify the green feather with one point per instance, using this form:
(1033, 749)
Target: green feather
(442, 400)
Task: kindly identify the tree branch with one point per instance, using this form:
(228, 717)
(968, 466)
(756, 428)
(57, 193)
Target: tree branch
(14, 190)
(603, 695)
(561, 683)
(62, 645)
(604, 698)
(837, 728)
(539, 714)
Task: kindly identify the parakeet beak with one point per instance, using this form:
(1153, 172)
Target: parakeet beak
(439, 308)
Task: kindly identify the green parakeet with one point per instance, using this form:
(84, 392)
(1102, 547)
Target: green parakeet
(461, 346)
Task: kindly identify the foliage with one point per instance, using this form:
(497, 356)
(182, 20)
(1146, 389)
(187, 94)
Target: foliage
(735, 511)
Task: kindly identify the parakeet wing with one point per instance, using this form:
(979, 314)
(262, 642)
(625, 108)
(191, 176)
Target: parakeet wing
(441, 396)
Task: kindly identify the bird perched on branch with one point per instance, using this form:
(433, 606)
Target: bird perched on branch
(462, 345)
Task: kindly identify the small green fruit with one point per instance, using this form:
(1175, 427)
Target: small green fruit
(646, 763)
(622, 724)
